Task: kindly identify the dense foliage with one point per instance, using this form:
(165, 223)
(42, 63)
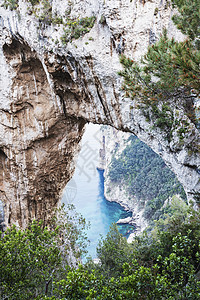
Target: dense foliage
(32, 259)
(188, 19)
(161, 265)
(113, 252)
(145, 176)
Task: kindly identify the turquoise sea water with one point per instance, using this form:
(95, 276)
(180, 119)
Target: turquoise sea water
(86, 192)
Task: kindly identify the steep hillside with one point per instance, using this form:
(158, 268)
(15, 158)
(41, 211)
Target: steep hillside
(137, 178)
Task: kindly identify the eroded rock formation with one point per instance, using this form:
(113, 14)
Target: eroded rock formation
(49, 90)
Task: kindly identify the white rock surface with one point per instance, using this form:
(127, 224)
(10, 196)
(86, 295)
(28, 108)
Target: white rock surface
(48, 91)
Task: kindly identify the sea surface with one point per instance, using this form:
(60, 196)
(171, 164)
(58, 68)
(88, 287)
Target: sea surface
(86, 191)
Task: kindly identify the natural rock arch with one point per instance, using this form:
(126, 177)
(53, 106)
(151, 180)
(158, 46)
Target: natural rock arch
(47, 98)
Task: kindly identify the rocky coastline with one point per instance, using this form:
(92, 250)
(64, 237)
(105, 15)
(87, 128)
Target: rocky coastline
(113, 143)
(119, 195)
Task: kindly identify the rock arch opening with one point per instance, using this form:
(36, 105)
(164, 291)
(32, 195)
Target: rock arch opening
(119, 179)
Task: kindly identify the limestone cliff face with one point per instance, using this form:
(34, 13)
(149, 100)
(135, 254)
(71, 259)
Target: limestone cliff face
(49, 90)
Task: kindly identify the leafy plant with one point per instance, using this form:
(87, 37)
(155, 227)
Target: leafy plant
(113, 252)
(75, 28)
(31, 259)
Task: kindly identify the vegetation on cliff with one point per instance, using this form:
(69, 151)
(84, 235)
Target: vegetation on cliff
(145, 177)
(168, 76)
(73, 27)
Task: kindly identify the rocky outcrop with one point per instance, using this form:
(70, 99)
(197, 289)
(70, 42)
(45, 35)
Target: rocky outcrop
(115, 143)
(38, 142)
(49, 90)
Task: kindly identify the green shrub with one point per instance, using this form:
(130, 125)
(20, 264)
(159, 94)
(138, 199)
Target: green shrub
(11, 4)
(75, 28)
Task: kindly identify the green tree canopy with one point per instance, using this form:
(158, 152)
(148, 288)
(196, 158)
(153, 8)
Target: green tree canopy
(33, 258)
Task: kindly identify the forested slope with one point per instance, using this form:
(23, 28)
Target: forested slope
(145, 177)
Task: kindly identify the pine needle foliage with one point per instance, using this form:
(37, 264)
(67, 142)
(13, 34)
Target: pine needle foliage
(170, 70)
(188, 19)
